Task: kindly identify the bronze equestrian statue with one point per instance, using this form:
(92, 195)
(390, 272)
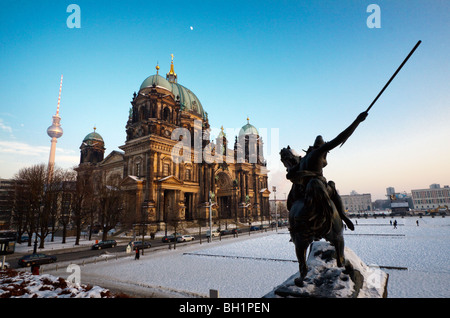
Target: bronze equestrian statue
(315, 207)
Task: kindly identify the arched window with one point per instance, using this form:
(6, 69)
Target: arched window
(141, 112)
(166, 114)
(138, 166)
(188, 174)
(166, 169)
(138, 169)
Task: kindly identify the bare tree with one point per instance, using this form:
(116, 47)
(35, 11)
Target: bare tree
(83, 202)
(34, 179)
(68, 193)
(110, 204)
(52, 197)
(21, 213)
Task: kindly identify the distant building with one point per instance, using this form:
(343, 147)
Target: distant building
(6, 202)
(381, 204)
(390, 191)
(357, 203)
(281, 208)
(433, 198)
(399, 203)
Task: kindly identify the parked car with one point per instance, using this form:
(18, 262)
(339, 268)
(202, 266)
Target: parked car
(139, 245)
(236, 231)
(225, 232)
(214, 233)
(104, 244)
(36, 259)
(185, 238)
(4, 266)
(168, 238)
(254, 228)
(171, 238)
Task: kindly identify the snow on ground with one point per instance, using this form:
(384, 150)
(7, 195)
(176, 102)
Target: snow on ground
(252, 266)
(191, 271)
(25, 285)
(423, 249)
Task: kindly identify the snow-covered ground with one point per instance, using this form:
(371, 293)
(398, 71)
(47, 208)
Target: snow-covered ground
(251, 266)
(423, 249)
(26, 285)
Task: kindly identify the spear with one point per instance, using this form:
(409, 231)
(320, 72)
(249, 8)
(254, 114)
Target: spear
(390, 80)
(395, 74)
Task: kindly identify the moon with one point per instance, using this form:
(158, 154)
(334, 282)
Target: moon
(192, 28)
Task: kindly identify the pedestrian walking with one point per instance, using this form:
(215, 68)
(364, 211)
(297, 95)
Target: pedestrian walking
(35, 269)
(137, 255)
(395, 224)
(417, 222)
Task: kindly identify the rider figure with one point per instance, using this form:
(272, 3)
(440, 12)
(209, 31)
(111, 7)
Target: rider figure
(311, 166)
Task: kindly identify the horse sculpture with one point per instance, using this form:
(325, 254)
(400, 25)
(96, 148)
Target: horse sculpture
(315, 207)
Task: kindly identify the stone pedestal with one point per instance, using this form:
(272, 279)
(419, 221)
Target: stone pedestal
(326, 280)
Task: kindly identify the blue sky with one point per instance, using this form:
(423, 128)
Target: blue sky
(298, 68)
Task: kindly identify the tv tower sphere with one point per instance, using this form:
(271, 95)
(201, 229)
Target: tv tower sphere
(55, 130)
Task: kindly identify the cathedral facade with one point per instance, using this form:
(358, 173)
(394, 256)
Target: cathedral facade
(167, 183)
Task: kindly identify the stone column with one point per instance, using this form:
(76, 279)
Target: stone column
(241, 179)
(201, 182)
(151, 175)
(158, 165)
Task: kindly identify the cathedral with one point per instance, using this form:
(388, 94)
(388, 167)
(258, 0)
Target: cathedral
(165, 189)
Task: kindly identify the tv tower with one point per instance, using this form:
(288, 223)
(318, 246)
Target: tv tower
(54, 131)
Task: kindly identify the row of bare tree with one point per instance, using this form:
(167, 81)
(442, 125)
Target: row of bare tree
(47, 201)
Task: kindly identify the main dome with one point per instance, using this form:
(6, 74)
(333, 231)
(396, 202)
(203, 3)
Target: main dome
(188, 100)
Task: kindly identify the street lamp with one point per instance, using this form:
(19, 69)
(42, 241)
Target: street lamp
(235, 187)
(274, 190)
(144, 219)
(212, 198)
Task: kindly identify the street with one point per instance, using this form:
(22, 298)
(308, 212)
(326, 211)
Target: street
(85, 252)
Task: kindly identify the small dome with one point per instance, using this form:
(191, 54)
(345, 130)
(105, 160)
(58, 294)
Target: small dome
(156, 80)
(92, 138)
(222, 133)
(248, 129)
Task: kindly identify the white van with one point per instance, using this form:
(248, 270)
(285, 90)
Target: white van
(214, 233)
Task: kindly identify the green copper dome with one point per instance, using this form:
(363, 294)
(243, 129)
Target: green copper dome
(158, 80)
(92, 138)
(188, 100)
(248, 129)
